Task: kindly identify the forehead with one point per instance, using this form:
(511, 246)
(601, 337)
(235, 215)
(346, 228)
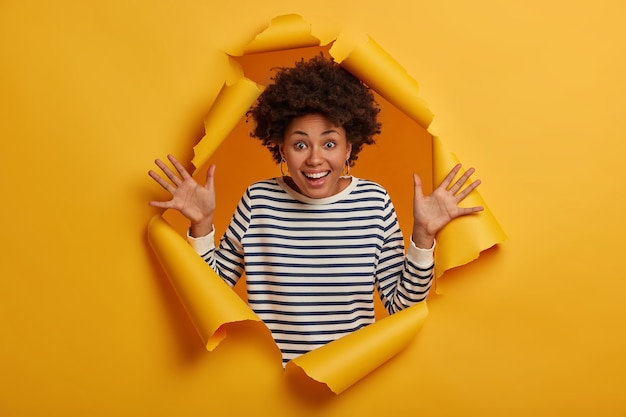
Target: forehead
(313, 124)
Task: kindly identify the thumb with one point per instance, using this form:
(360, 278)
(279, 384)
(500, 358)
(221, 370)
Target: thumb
(417, 187)
(210, 176)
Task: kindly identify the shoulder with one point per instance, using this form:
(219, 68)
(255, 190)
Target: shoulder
(267, 184)
(370, 194)
(365, 186)
(266, 189)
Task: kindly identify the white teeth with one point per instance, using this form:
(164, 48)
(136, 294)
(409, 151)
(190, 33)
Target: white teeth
(317, 175)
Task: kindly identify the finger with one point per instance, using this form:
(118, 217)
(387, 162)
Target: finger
(462, 180)
(417, 187)
(179, 167)
(161, 204)
(168, 172)
(166, 185)
(448, 179)
(470, 210)
(466, 191)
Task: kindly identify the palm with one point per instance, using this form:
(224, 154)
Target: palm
(194, 201)
(431, 213)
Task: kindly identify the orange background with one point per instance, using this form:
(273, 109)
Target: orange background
(532, 95)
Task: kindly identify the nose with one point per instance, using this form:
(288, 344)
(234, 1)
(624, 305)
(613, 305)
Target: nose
(315, 156)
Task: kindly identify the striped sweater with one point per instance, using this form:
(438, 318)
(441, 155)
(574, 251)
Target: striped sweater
(311, 265)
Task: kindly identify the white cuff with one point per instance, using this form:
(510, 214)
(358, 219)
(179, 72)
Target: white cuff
(202, 244)
(419, 256)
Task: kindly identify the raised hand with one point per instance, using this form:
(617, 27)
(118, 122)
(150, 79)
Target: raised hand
(431, 213)
(194, 201)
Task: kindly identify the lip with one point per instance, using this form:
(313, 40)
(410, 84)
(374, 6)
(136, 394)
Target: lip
(316, 182)
(317, 175)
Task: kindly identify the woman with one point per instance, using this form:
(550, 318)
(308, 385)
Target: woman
(315, 242)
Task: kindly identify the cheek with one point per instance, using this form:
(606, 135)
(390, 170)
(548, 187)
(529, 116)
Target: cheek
(340, 161)
(292, 158)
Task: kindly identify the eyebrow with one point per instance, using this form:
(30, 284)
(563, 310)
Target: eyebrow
(326, 132)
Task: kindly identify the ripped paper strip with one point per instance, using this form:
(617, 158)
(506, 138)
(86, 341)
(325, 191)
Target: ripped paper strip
(284, 32)
(364, 58)
(212, 304)
(345, 361)
(209, 301)
(232, 102)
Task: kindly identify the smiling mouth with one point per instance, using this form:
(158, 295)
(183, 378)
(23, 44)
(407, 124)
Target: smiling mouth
(316, 175)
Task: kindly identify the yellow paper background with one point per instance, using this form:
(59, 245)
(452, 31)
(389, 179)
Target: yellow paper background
(210, 306)
(531, 95)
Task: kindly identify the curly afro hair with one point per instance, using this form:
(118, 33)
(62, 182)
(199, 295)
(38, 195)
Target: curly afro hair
(317, 86)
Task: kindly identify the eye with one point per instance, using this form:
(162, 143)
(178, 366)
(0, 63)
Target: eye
(330, 144)
(299, 145)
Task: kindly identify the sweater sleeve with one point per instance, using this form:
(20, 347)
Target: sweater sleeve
(227, 260)
(402, 280)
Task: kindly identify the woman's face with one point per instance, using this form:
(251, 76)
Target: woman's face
(316, 152)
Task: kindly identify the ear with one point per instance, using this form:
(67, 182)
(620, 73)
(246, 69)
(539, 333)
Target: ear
(349, 151)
